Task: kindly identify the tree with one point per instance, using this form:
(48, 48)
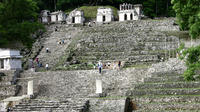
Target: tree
(188, 15)
(18, 20)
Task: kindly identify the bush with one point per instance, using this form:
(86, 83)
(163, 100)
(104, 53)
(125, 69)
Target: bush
(192, 58)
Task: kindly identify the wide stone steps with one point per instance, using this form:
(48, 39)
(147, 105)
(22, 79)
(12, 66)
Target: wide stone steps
(45, 105)
(122, 53)
(163, 79)
(167, 85)
(170, 106)
(174, 91)
(138, 63)
(165, 75)
(166, 91)
(167, 99)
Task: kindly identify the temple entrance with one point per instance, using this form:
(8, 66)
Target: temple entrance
(125, 17)
(104, 18)
(1, 64)
(56, 17)
(73, 19)
(131, 17)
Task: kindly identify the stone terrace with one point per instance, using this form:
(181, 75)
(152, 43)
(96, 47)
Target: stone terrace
(6, 88)
(166, 90)
(136, 42)
(64, 84)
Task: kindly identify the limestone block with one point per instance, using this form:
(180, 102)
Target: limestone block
(98, 86)
(30, 88)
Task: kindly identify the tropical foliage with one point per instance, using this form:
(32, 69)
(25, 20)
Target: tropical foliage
(18, 20)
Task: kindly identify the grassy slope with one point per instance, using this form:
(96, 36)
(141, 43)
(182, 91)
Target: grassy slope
(91, 11)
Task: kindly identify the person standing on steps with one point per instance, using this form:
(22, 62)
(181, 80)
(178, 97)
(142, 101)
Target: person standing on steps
(119, 64)
(37, 61)
(47, 50)
(100, 66)
(63, 41)
(47, 66)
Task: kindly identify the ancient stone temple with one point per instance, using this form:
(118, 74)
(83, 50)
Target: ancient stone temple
(104, 15)
(130, 12)
(10, 59)
(45, 16)
(58, 16)
(76, 17)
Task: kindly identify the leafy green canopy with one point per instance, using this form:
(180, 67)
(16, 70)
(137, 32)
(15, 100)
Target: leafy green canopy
(192, 58)
(188, 15)
(18, 20)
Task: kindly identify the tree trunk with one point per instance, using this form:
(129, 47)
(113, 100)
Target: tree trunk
(167, 8)
(156, 7)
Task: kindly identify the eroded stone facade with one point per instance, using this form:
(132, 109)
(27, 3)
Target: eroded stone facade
(130, 12)
(76, 17)
(104, 15)
(10, 59)
(45, 16)
(58, 16)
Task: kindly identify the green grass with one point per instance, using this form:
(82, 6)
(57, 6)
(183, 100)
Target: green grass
(90, 12)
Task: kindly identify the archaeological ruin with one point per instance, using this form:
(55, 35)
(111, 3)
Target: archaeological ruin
(58, 16)
(45, 16)
(10, 59)
(130, 12)
(76, 17)
(141, 70)
(104, 15)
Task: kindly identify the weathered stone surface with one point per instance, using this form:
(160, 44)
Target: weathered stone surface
(6, 88)
(107, 105)
(64, 84)
(144, 45)
(165, 89)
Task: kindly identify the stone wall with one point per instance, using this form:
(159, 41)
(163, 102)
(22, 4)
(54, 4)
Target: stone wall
(136, 42)
(64, 84)
(107, 105)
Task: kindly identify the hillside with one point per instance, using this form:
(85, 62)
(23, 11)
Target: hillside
(134, 42)
(150, 80)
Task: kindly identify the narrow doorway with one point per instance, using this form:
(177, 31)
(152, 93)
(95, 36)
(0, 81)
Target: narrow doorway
(125, 17)
(131, 17)
(104, 18)
(73, 19)
(56, 17)
(1, 64)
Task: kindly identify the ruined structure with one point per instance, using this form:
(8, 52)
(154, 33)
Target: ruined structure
(129, 12)
(76, 17)
(10, 59)
(45, 16)
(104, 15)
(58, 16)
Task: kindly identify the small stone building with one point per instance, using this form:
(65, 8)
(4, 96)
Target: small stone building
(104, 15)
(10, 59)
(58, 16)
(130, 12)
(76, 17)
(45, 16)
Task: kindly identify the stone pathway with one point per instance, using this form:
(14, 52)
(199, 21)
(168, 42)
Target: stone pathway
(64, 32)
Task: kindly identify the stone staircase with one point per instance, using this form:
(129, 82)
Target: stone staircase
(166, 91)
(6, 88)
(135, 42)
(38, 105)
(51, 40)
